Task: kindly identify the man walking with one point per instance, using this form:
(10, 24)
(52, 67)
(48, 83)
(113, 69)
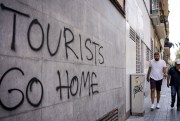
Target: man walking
(174, 77)
(156, 73)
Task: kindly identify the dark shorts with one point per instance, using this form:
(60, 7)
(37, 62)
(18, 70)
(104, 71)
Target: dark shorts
(155, 84)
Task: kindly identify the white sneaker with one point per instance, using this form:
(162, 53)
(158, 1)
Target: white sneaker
(152, 107)
(158, 106)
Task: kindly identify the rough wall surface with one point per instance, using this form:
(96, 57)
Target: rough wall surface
(61, 60)
(137, 17)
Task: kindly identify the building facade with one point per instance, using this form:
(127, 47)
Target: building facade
(71, 60)
(146, 31)
(61, 60)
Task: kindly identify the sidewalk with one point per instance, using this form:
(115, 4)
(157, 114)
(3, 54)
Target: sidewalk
(165, 113)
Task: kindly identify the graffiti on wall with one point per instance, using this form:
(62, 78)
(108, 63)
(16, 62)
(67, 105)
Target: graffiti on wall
(96, 56)
(74, 85)
(139, 87)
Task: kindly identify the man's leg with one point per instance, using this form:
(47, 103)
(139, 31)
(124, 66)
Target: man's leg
(178, 98)
(158, 91)
(173, 95)
(152, 87)
(152, 95)
(158, 96)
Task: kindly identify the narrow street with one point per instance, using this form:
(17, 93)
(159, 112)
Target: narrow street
(165, 113)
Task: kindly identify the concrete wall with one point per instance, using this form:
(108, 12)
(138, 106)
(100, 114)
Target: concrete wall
(130, 64)
(146, 31)
(138, 19)
(64, 58)
(147, 2)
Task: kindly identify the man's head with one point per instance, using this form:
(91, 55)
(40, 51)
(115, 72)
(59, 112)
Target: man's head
(178, 64)
(156, 56)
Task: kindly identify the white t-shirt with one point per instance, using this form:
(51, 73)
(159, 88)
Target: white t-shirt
(157, 69)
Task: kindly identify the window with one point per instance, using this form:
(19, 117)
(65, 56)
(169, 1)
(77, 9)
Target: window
(132, 34)
(142, 56)
(138, 59)
(121, 2)
(154, 6)
(139, 50)
(152, 49)
(120, 5)
(147, 54)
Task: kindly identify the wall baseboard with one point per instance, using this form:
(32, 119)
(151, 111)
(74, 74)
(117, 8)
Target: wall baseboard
(127, 114)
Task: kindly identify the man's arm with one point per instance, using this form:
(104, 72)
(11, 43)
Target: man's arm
(169, 77)
(168, 80)
(148, 73)
(165, 71)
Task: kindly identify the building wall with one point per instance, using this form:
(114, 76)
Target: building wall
(147, 2)
(146, 31)
(130, 64)
(66, 60)
(138, 18)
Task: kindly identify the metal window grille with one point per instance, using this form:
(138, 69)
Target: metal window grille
(138, 59)
(142, 57)
(132, 34)
(147, 54)
(135, 37)
(154, 6)
(111, 116)
(152, 48)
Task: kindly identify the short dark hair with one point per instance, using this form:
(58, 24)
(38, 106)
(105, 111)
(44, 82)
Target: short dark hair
(156, 53)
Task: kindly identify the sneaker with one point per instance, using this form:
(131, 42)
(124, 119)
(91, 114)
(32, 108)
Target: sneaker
(152, 107)
(178, 108)
(158, 106)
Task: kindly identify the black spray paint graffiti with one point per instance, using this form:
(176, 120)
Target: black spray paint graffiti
(33, 80)
(11, 90)
(53, 54)
(35, 22)
(76, 85)
(96, 55)
(137, 89)
(3, 7)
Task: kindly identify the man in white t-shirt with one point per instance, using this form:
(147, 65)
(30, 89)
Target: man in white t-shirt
(156, 73)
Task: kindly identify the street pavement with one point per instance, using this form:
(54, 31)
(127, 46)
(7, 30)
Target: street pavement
(165, 113)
